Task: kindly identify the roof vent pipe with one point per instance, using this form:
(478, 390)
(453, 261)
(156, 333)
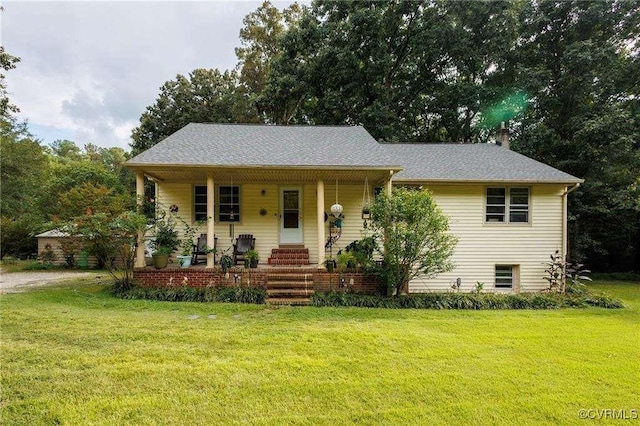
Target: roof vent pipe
(503, 137)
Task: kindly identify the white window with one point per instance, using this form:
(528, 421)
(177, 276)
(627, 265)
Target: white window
(228, 205)
(504, 276)
(507, 205)
(200, 203)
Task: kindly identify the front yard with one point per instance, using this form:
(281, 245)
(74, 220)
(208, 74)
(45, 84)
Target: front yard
(73, 354)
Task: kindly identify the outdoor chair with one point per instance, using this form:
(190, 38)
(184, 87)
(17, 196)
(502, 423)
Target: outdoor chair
(244, 243)
(200, 249)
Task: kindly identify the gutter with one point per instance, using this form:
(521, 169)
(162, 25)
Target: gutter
(565, 211)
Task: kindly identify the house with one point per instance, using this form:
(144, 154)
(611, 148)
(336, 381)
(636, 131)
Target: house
(279, 183)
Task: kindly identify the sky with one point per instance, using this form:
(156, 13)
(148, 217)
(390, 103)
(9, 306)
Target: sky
(89, 69)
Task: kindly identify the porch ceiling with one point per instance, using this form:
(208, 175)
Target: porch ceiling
(264, 174)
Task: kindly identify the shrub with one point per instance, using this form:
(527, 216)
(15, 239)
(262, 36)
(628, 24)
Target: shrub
(253, 295)
(415, 237)
(473, 301)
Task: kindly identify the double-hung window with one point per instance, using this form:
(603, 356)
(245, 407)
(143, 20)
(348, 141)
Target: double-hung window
(507, 205)
(227, 206)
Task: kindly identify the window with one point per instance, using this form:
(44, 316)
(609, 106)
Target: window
(228, 203)
(514, 201)
(504, 276)
(200, 202)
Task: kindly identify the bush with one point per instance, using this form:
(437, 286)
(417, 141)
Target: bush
(253, 295)
(473, 301)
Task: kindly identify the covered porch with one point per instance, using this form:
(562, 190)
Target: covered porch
(284, 208)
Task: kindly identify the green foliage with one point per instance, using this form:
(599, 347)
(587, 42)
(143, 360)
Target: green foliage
(17, 235)
(252, 254)
(362, 251)
(253, 295)
(415, 237)
(7, 62)
(226, 261)
(47, 256)
(112, 239)
(166, 236)
(346, 260)
(205, 96)
(472, 301)
(71, 247)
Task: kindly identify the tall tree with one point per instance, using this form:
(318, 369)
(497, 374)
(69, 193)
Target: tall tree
(407, 71)
(7, 62)
(206, 95)
(579, 63)
(259, 40)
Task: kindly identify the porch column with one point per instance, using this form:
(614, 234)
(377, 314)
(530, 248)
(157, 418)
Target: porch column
(140, 263)
(320, 198)
(210, 219)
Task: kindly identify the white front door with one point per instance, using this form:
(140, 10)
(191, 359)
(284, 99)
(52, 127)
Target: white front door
(290, 215)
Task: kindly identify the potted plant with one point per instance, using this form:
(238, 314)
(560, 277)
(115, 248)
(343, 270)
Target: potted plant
(253, 257)
(366, 212)
(330, 264)
(187, 246)
(226, 262)
(165, 241)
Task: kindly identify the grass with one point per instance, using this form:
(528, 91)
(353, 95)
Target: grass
(73, 354)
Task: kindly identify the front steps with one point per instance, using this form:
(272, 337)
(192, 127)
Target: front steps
(289, 256)
(289, 288)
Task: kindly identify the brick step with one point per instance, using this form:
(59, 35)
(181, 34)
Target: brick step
(289, 293)
(290, 262)
(290, 256)
(290, 302)
(289, 250)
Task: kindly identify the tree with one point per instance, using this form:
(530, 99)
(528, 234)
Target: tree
(7, 62)
(415, 237)
(206, 95)
(407, 71)
(113, 240)
(580, 65)
(259, 40)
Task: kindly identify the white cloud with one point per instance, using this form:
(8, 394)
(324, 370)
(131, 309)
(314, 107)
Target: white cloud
(89, 69)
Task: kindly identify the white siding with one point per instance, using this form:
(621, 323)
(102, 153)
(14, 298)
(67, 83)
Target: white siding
(482, 246)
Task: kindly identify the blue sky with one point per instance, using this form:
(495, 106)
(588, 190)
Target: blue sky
(88, 70)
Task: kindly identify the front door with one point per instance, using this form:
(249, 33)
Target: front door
(290, 216)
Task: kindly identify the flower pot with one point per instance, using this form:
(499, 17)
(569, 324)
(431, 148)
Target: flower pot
(184, 261)
(253, 263)
(160, 261)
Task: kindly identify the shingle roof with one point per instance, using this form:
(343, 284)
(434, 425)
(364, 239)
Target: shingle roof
(202, 144)
(262, 145)
(470, 162)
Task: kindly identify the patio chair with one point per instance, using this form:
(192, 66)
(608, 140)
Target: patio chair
(200, 249)
(244, 243)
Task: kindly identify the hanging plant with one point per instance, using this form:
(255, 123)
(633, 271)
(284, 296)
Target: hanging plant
(366, 201)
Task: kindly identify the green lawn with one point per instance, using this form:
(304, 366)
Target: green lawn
(75, 355)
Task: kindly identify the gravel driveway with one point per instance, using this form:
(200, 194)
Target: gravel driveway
(17, 282)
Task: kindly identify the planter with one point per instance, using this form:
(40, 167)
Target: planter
(330, 265)
(184, 261)
(253, 263)
(366, 213)
(160, 261)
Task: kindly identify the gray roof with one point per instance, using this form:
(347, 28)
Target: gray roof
(481, 162)
(204, 144)
(238, 145)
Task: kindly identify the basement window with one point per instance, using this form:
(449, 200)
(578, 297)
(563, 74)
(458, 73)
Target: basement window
(505, 276)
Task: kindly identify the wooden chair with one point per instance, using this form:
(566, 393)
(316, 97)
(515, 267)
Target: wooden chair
(200, 249)
(244, 243)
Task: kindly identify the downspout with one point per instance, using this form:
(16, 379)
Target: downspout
(565, 233)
